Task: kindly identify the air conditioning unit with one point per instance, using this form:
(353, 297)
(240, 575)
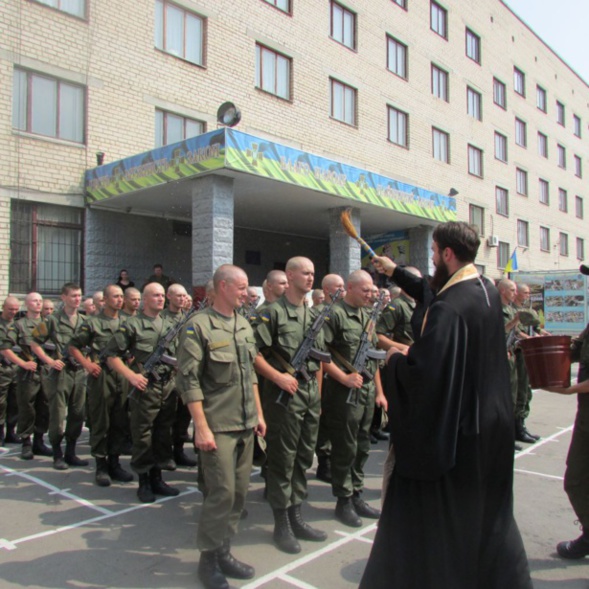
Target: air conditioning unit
(493, 241)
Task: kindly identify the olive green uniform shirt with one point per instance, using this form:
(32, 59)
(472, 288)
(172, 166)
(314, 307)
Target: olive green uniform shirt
(395, 321)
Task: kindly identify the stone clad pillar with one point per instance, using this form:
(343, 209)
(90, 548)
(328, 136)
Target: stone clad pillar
(420, 243)
(212, 227)
(345, 254)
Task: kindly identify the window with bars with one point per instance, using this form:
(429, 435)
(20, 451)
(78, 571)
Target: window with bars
(440, 145)
(343, 102)
(179, 32)
(397, 57)
(273, 72)
(519, 81)
(438, 19)
(343, 25)
(545, 239)
(542, 145)
(45, 246)
(563, 243)
(499, 93)
(501, 201)
(473, 103)
(440, 83)
(398, 127)
(544, 191)
(473, 46)
(171, 128)
(500, 147)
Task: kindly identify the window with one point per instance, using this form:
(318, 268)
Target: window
(475, 161)
(47, 106)
(519, 82)
(501, 201)
(75, 7)
(562, 156)
(502, 254)
(578, 167)
(560, 113)
(563, 241)
(440, 83)
(545, 239)
(578, 207)
(439, 19)
(580, 248)
(521, 133)
(343, 25)
(171, 128)
(523, 233)
(500, 147)
(283, 5)
(343, 102)
(401, 3)
(476, 216)
(521, 182)
(563, 204)
(397, 57)
(272, 72)
(441, 145)
(398, 127)
(45, 245)
(576, 125)
(542, 145)
(179, 32)
(473, 46)
(473, 103)
(499, 94)
(541, 98)
(544, 191)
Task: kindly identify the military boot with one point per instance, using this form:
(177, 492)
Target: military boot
(102, 479)
(180, 457)
(232, 567)
(574, 549)
(144, 492)
(284, 537)
(345, 512)
(58, 462)
(522, 434)
(324, 469)
(116, 471)
(70, 454)
(301, 529)
(362, 508)
(209, 571)
(27, 449)
(11, 437)
(39, 446)
(158, 486)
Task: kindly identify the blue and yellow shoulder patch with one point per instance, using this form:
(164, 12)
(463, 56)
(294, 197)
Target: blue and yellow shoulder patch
(190, 330)
(264, 316)
(391, 307)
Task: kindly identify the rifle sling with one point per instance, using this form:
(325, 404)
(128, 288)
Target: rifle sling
(347, 365)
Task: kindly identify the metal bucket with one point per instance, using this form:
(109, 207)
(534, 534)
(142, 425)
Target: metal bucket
(548, 360)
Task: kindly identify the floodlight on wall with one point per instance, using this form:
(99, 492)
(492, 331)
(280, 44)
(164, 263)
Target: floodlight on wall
(453, 192)
(99, 158)
(228, 114)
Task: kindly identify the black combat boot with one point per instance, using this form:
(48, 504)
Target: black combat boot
(102, 479)
(521, 434)
(324, 469)
(116, 471)
(11, 437)
(180, 457)
(39, 446)
(58, 461)
(301, 529)
(345, 512)
(158, 486)
(232, 567)
(362, 508)
(27, 449)
(70, 454)
(525, 429)
(574, 549)
(284, 537)
(209, 571)
(144, 493)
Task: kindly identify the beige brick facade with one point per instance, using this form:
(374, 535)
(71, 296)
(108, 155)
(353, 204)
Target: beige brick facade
(112, 55)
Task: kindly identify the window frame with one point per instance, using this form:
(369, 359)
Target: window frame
(477, 103)
(500, 141)
(405, 49)
(68, 12)
(542, 182)
(561, 156)
(473, 150)
(437, 132)
(333, 4)
(274, 4)
(521, 133)
(165, 114)
(580, 247)
(578, 166)
(472, 218)
(577, 126)
(560, 113)
(261, 49)
(544, 239)
(475, 43)
(394, 110)
(332, 82)
(503, 254)
(579, 207)
(523, 233)
(441, 16)
(563, 244)
(542, 145)
(519, 81)
(541, 99)
(521, 175)
(499, 90)
(563, 200)
(437, 74)
(502, 201)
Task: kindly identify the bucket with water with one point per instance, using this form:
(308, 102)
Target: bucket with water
(548, 360)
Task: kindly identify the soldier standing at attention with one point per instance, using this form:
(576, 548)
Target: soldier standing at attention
(153, 404)
(8, 401)
(276, 283)
(292, 430)
(131, 302)
(106, 401)
(217, 383)
(64, 382)
(33, 410)
(349, 424)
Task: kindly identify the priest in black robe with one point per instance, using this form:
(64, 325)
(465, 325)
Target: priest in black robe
(447, 520)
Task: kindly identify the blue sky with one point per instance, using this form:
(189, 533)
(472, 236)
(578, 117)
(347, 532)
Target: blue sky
(563, 25)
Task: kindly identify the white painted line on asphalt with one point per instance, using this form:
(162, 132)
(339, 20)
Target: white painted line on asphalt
(530, 449)
(309, 558)
(296, 582)
(359, 539)
(55, 490)
(540, 474)
(190, 491)
(6, 544)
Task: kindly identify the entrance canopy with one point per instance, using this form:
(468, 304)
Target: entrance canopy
(277, 188)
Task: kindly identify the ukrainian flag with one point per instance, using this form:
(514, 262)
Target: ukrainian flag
(511, 265)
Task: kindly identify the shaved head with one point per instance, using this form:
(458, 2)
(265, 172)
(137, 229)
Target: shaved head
(297, 263)
(227, 273)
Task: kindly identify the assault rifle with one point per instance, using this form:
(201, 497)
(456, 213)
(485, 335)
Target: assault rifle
(365, 350)
(297, 366)
(159, 354)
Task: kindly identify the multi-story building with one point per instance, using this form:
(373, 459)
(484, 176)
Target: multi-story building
(411, 111)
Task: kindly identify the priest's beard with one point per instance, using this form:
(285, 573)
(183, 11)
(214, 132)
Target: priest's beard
(440, 277)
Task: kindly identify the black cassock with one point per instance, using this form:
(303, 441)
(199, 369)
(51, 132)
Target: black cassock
(447, 520)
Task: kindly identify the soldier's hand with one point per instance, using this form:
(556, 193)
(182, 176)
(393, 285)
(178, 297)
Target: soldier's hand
(288, 383)
(30, 365)
(93, 369)
(138, 381)
(353, 380)
(260, 429)
(204, 439)
(57, 365)
(381, 401)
